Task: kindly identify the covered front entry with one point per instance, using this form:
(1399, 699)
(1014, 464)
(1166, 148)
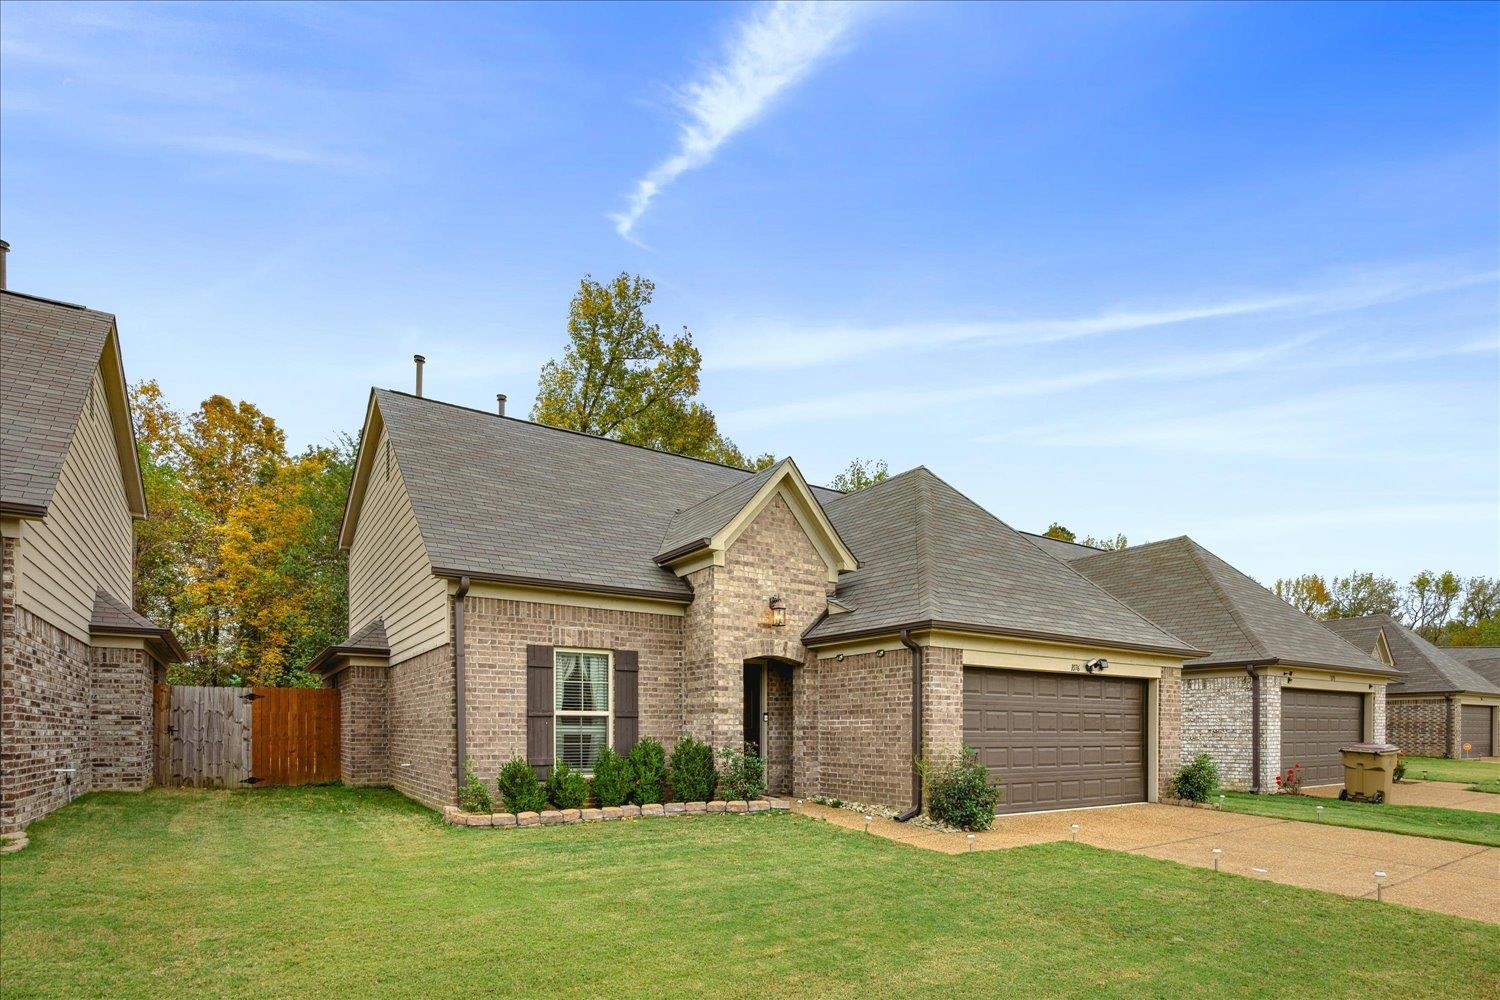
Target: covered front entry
(767, 719)
(1315, 726)
(1058, 740)
(1478, 731)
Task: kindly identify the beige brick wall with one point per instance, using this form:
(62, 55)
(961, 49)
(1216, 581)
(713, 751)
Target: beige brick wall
(496, 634)
(862, 743)
(364, 726)
(44, 718)
(1420, 726)
(728, 621)
(421, 733)
(1216, 720)
(120, 703)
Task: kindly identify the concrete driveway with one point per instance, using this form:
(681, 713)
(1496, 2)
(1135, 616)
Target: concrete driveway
(1443, 794)
(1461, 879)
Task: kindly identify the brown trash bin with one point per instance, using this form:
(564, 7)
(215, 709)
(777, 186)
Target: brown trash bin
(1369, 770)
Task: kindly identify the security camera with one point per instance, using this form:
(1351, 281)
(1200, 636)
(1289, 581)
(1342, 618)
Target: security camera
(1097, 664)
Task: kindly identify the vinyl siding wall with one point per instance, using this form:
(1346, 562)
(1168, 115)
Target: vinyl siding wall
(390, 576)
(84, 543)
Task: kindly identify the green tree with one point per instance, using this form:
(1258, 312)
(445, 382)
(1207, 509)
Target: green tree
(861, 472)
(621, 378)
(1428, 601)
(1063, 534)
(239, 555)
(1307, 593)
(1057, 531)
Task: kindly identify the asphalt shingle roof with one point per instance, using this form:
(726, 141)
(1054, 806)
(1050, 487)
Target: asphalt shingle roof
(48, 354)
(500, 497)
(927, 553)
(1185, 588)
(1428, 668)
(112, 616)
(702, 520)
(1483, 660)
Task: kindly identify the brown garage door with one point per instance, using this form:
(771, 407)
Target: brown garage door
(1058, 741)
(1315, 725)
(1478, 731)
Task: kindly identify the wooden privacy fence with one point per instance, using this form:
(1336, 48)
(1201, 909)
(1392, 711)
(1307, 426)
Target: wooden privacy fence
(226, 737)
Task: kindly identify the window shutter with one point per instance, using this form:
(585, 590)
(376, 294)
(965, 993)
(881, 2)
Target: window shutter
(627, 699)
(539, 701)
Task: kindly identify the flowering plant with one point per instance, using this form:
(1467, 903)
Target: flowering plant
(1291, 782)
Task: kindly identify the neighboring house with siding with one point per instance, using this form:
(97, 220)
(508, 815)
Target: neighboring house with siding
(520, 590)
(78, 663)
(1315, 692)
(1443, 706)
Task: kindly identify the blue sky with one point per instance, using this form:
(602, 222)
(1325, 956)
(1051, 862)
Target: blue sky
(1229, 271)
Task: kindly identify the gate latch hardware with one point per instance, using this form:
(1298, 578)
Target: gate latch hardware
(252, 780)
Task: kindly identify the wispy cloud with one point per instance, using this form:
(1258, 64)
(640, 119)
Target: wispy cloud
(786, 346)
(902, 399)
(773, 48)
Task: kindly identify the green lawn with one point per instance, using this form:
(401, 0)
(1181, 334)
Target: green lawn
(1420, 821)
(333, 892)
(1477, 774)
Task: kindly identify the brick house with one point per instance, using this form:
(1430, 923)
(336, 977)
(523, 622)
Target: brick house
(78, 663)
(519, 590)
(1443, 706)
(1278, 688)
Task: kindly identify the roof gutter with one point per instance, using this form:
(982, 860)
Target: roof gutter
(932, 624)
(916, 727)
(460, 739)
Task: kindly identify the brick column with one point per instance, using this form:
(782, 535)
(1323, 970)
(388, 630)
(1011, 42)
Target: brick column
(120, 708)
(942, 700)
(1169, 755)
(364, 738)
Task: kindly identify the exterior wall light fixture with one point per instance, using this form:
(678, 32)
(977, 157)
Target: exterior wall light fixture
(778, 613)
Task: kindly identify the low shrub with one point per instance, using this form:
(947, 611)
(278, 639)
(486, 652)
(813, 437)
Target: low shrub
(742, 774)
(1291, 782)
(473, 796)
(959, 792)
(691, 771)
(1399, 771)
(1197, 780)
(648, 769)
(566, 788)
(519, 788)
(612, 782)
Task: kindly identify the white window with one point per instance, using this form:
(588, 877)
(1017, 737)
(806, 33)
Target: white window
(581, 680)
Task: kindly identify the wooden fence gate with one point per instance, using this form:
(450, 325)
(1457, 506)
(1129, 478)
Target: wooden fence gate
(229, 737)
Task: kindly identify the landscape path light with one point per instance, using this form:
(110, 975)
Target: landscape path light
(971, 843)
(1218, 851)
(1379, 886)
(1075, 833)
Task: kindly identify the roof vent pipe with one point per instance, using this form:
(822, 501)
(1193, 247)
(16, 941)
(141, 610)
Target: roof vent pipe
(420, 362)
(4, 252)
(500, 403)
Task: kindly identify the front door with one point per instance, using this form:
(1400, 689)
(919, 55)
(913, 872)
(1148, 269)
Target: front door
(754, 707)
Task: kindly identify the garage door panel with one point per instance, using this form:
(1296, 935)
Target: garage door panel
(1081, 744)
(1477, 730)
(1315, 725)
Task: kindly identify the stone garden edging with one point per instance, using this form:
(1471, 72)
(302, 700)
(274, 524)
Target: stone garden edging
(453, 816)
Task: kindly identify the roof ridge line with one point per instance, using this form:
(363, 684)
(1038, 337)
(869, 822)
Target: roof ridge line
(1218, 591)
(565, 430)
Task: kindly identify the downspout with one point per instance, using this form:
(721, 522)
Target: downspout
(459, 701)
(1254, 673)
(916, 727)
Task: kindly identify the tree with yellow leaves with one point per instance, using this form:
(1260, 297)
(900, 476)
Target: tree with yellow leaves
(240, 552)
